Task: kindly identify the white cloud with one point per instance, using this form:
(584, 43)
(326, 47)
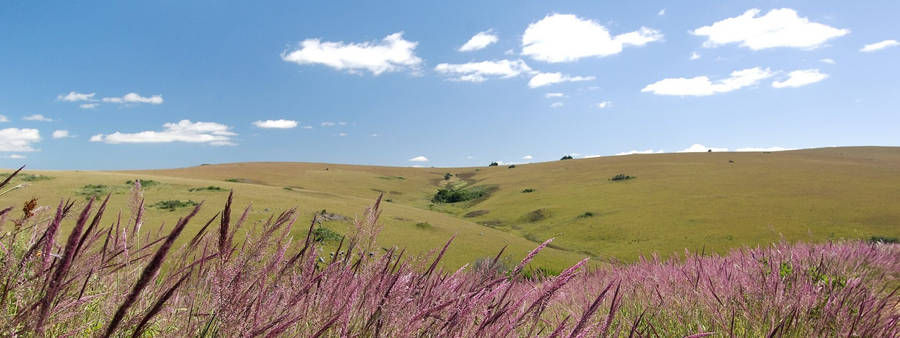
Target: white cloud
(37, 117)
(419, 159)
(16, 156)
(602, 104)
(3, 118)
(393, 53)
(556, 104)
(19, 140)
(60, 133)
(661, 12)
(828, 61)
(552, 95)
(75, 97)
(328, 124)
(565, 37)
(879, 46)
(702, 86)
(761, 149)
(694, 56)
(527, 157)
(307, 127)
(799, 78)
(342, 123)
(87, 105)
(135, 98)
(545, 79)
(481, 71)
(699, 148)
(182, 131)
(479, 41)
(777, 28)
(341, 134)
(648, 151)
(374, 135)
(276, 124)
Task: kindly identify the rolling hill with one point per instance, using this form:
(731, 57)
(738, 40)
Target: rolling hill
(672, 202)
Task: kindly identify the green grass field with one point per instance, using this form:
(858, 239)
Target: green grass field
(696, 201)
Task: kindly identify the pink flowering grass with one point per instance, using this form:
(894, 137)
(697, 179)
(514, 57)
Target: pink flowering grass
(111, 278)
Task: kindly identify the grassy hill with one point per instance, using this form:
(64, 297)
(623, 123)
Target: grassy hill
(711, 201)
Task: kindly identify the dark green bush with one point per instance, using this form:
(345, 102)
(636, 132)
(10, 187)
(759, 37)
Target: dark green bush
(209, 188)
(493, 164)
(235, 180)
(527, 190)
(423, 225)
(621, 177)
(511, 166)
(450, 195)
(144, 183)
(447, 176)
(566, 157)
(171, 205)
(586, 214)
(323, 234)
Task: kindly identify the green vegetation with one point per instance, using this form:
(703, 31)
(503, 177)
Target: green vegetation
(586, 214)
(451, 195)
(527, 190)
(511, 166)
(447, 176)
(423, 225)
(323, 234)
(210, 188)
(28, 177)
(493, 164)
(566, 157)
(392, 177)
(621, 177)
(171, 205)
(234, 180)
(880, 239)
(144, 183)
(95, 191)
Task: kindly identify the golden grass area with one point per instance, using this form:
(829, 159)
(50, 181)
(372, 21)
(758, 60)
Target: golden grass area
(696, 201)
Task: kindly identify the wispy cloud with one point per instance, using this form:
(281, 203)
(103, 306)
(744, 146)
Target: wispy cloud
(393, 53)
(419, 159)
(546, 79)
(134, 98)
(37, 117)
(3, 119)
(800, 78)
(602, 104)
(554, 95)
(479, 41)
(527, 157)
(777, 28)
(556, 104)
(60, 133)
(702, 86)
(182, 131)
(276, 124)
(483, 70)
(828, 61)
(76, 97)
(879, 46)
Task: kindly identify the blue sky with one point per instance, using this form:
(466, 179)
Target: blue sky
(91, 85)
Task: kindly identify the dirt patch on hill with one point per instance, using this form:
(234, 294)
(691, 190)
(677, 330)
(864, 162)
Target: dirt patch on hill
(477, 213)
(537, 215)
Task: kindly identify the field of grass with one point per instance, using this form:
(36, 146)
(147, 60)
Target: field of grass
(711, 201)
(699, 201)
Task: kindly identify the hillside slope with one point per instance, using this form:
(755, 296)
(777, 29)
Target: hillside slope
(710, 201)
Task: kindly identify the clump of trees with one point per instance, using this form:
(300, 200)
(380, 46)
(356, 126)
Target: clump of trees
(621, 177)
(493, 164)
(566, 157)
(451, 195)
